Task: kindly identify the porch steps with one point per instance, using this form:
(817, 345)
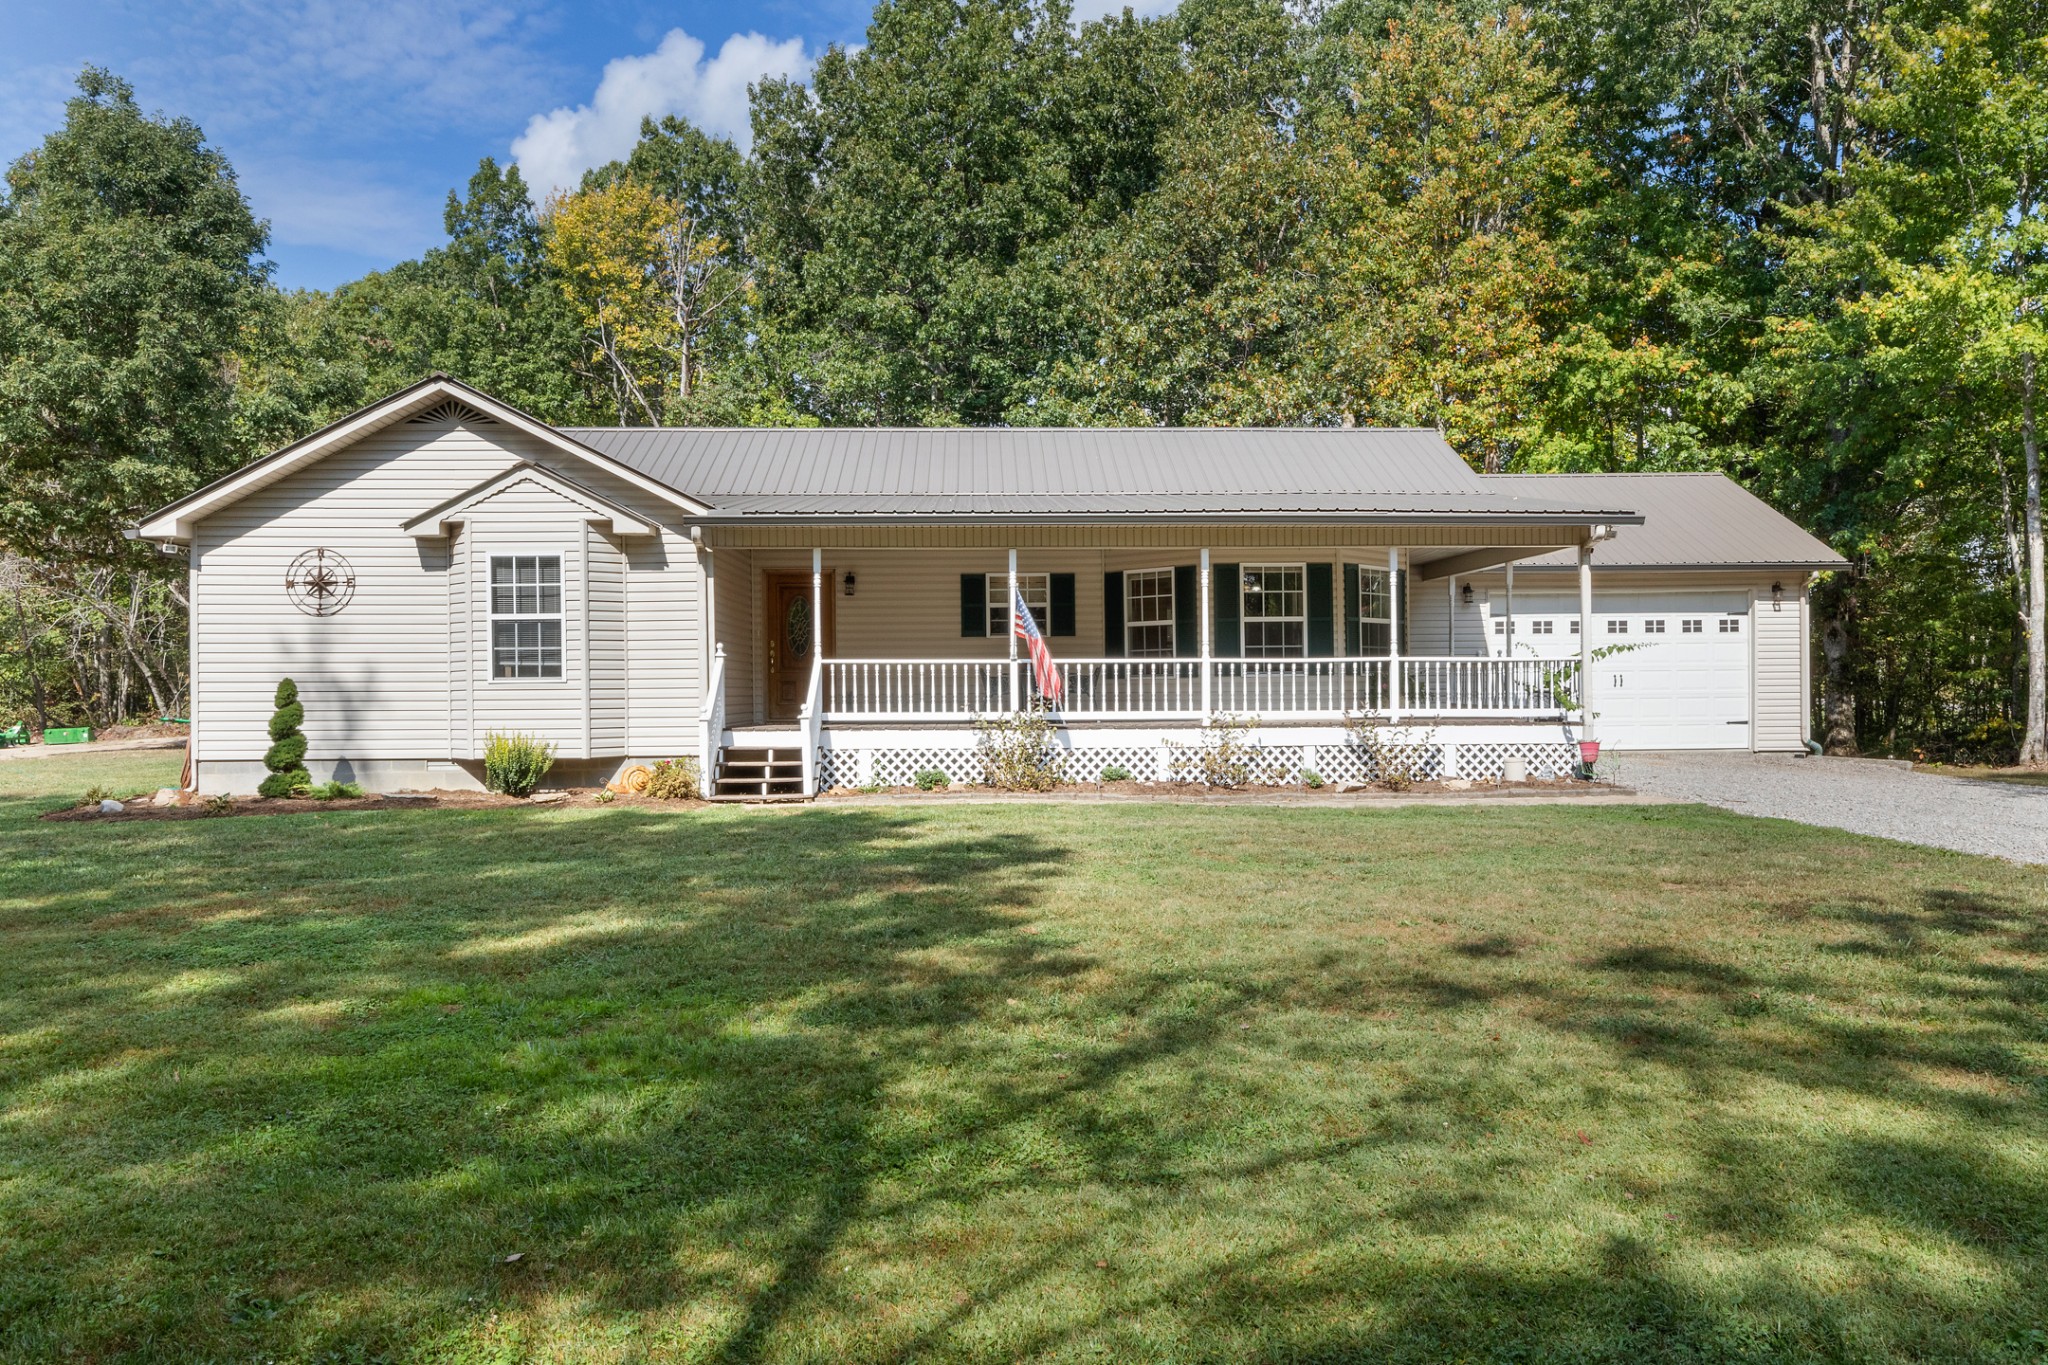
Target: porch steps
(759, 774)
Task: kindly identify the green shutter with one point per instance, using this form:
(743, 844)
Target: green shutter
(974, 604)
(1187, 624)
(1112, 616)
(1062, 604)
(1226, 587)
(1351, 638)
(1399, 627)
(1322, 626)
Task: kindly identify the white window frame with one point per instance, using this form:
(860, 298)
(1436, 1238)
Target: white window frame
(1366, 622)
(1245, 620)
(1131, 625)
(1037, 590)
(538, 616)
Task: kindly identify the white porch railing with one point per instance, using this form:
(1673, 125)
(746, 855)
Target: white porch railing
(1492, 687)
(1152, 689)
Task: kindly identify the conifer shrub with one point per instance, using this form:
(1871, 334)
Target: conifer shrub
(515, 764)
(286, 757)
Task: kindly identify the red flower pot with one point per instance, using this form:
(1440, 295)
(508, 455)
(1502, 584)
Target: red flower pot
(1589, 751)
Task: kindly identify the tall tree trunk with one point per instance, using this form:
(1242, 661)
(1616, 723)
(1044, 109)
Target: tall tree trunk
(2034, 745)
(1837, 689)
(28, 663)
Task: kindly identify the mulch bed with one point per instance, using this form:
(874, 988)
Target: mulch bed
(1185, 792)
(193, 806)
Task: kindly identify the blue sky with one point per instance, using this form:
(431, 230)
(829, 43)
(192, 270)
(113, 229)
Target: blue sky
(349, 123)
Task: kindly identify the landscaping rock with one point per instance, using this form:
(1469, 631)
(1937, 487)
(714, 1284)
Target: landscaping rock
(111, 807)
(548, 798)
(165, 796)
(1457, 784)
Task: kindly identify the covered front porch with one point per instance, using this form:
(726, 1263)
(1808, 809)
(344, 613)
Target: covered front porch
(858, 660)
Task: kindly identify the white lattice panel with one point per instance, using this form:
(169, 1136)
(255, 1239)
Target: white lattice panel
(1482, 762)
(1086, 764)
(900, 767)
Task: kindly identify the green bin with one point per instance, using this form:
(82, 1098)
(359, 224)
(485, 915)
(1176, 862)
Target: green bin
(76, 734)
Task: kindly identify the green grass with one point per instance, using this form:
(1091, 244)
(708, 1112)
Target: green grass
(989, 1082)
(2021, 777)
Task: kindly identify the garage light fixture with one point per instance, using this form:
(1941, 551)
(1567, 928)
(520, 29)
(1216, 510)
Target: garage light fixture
(848, 582)
(1465, 594)
(1777, 596)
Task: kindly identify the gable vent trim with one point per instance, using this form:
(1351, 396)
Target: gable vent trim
(452, 411)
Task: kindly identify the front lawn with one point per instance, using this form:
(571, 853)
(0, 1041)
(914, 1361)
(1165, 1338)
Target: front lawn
(1002, 1082)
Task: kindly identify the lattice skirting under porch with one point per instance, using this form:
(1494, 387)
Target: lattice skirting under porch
(1272, 764)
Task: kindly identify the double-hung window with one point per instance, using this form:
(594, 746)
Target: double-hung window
(1275, 611)
(526, 616)
(1148, 614)
(1037, 590)
(1375, 613)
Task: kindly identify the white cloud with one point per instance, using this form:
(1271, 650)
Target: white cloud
(558, 146)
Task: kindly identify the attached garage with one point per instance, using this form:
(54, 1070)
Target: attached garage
(1703, 608)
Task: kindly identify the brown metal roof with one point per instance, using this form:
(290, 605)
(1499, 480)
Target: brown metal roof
(1689, 521)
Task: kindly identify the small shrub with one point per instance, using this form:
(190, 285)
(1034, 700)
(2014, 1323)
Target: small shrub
(334, 791)
(1311, 779)
(515, 764)
(286, 757)
(869, 789)
(1017, 752)
(673, 779)
(931, 780)
(94, 795)
(1115, 774)
(605, 796)
(1224, 758)
(223, 804)
(1392, 767)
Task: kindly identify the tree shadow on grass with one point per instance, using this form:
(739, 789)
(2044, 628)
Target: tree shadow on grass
(363, 1062)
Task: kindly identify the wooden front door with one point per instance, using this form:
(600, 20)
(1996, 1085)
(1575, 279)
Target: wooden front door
(788, 634)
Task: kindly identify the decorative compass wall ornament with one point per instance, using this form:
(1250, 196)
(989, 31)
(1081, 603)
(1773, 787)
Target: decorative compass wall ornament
(320, 582)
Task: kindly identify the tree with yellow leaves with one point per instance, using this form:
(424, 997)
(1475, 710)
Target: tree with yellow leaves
(650, 279)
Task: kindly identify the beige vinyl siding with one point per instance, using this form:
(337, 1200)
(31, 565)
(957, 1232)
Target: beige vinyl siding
(1778, 639)
(402, 671)
(529, 520)
(662, 688)
(607, 658)
(739, 630)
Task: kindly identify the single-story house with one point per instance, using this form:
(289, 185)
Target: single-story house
(809, 608)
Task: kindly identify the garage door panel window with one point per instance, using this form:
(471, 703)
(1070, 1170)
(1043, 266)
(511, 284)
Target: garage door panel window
(1691, 625)
(526, 616)
(1731, 625)
(1653, 626)
(1617, 627)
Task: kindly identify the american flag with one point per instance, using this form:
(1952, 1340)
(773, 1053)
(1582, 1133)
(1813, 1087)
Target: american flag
(1026, 629)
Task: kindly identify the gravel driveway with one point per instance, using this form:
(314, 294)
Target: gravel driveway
(2005, 821)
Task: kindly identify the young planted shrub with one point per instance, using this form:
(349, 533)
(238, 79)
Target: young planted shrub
(673, 779)
(515, 764)
(286, 758)
(334, 791)
(1019, 753)
(932, 779)
(1114, 773)
(1311, 779)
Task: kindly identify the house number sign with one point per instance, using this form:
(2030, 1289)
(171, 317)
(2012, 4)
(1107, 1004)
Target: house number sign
(320, 582)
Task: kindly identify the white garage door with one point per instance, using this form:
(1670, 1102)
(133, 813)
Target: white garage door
(1679, 678)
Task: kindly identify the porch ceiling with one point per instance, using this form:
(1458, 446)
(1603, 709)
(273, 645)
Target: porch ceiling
(1445, 536)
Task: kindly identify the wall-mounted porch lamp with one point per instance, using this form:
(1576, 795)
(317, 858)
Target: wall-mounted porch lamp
(1465, 595)
(848, 582)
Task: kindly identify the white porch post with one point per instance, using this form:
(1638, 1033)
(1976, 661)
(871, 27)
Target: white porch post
(1009, 611)
(1394, 634)
(817, 602)
(1207, 624)
(1586, 640)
